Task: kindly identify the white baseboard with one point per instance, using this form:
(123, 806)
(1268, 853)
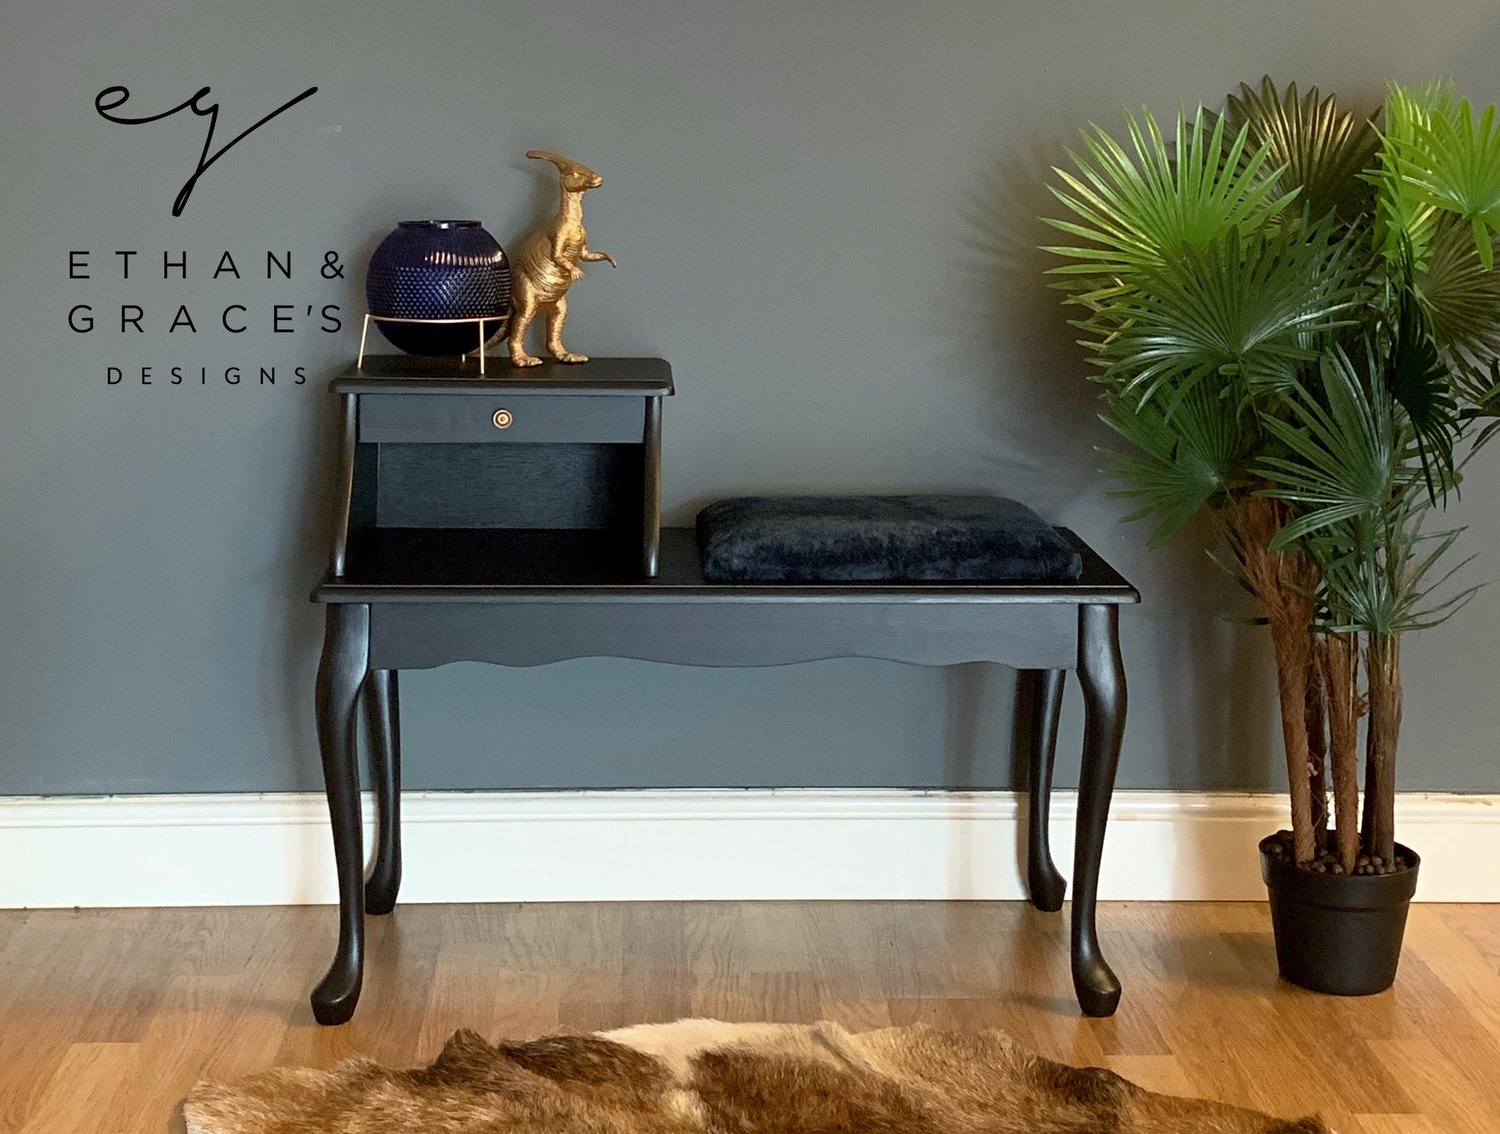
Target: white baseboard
(679, 845)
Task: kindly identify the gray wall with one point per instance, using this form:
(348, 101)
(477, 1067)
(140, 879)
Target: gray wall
(824, 215)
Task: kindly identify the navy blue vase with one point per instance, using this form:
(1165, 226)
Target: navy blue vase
(438, 269)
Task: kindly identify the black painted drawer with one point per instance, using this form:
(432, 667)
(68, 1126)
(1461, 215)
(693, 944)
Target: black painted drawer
(494, 416)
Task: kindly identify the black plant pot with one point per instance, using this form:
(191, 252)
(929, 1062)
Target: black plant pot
(1338, 933)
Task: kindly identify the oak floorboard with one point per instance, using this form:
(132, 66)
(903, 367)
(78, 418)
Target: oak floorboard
(107, 1017)
(85, 1094)
(1162, 1073)
(1389, 1124)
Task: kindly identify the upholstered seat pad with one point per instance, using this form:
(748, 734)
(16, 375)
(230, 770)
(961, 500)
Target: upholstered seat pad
(881, 538)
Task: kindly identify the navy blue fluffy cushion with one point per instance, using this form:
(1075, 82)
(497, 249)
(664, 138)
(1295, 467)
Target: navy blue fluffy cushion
(881, 538)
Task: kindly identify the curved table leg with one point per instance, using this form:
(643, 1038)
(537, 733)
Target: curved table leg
(340, 673)
(1043, 882)
(382, 703)
(1102, 676)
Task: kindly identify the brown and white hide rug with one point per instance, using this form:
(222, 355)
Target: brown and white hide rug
(707, 1077)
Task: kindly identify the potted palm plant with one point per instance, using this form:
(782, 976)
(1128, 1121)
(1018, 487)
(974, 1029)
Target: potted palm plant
(1294, 315)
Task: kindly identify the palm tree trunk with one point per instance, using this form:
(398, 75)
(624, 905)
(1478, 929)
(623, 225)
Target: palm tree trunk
(1291, 648)
(1383, 663)
(1282, 581)
(1315, 721)
(1367, 811)
(1338, 658)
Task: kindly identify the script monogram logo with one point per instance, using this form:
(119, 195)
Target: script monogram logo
(112, 98)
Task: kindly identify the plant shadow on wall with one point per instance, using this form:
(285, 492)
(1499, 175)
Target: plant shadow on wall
(1010, 339)
(1044, 417)
(303, 554)
(1294, 314)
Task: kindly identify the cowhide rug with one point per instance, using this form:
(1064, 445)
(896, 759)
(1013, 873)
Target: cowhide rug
(707, 1077)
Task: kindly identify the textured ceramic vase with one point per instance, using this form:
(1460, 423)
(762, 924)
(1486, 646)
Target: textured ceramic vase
(438, 269)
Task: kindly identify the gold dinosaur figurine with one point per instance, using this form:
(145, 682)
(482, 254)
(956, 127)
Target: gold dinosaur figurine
(547, 264)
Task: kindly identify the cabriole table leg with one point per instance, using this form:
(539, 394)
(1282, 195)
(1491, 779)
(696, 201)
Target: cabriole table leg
(341, 671)
(1044, 688)
(382, 702)
(1102, 676)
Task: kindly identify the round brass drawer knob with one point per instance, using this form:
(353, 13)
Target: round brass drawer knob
(502, 419)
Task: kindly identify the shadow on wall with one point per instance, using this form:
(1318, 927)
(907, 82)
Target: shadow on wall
(978, 699)
(302, 554)
(1210, 699)
(1020, 347)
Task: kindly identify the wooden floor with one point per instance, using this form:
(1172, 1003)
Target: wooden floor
(107, 1017)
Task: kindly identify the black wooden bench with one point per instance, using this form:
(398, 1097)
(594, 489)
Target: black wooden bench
(400, 596)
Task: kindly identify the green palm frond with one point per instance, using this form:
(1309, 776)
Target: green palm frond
(1321, 153)
(1289, 300)
(1352, 477)
(1461, 299)
(1420, 383)
(1343, 451)
(1422, 100)
(1180, 463)
(1405, 221)
(1137, 211)
(1450, 160)
(1481, 389)
(1245, 314)
(1383, 578)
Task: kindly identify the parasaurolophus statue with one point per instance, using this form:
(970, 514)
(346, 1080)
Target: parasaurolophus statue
(547, 262)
